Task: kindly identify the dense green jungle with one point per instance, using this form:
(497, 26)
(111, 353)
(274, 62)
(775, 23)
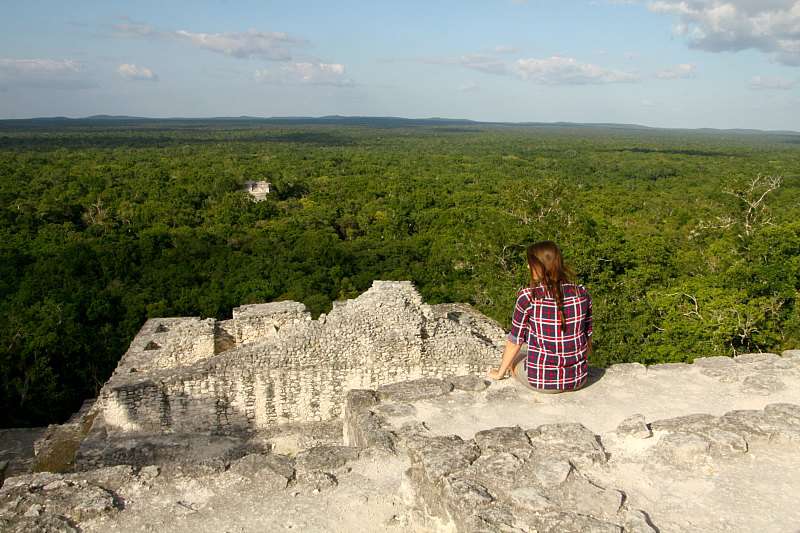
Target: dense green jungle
(689, 241)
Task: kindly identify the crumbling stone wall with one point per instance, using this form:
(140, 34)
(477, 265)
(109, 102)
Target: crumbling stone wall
(277, 365)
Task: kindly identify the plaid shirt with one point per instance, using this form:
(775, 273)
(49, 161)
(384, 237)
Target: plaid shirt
(556, 359)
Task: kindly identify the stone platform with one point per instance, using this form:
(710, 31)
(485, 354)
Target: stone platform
(713, 446)
(675, 448)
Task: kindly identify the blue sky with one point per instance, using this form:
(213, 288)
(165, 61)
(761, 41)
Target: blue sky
(671, 63)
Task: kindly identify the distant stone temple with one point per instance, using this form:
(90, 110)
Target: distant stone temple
(258, 189)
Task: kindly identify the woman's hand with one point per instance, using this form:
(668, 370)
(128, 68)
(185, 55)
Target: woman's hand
(506, 363)
(494, 373)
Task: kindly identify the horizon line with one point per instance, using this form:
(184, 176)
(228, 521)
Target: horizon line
(332, 118)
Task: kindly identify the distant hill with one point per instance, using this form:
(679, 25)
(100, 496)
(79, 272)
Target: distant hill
(376, 122)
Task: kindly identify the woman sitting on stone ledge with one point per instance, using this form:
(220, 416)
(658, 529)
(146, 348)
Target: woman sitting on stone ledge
(554, 318)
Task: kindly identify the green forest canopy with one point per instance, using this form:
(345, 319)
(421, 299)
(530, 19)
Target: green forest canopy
(688, 241)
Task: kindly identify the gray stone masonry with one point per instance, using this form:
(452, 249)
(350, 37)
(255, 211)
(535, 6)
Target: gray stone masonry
(271, 364)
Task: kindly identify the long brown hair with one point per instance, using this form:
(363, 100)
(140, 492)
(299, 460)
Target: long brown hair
(546, 262)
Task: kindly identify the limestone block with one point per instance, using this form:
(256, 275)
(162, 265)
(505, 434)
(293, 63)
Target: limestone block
(634, 426)
(327, 459)
(762, 384)
(395, 409)
(258, 321)
(496, 470)
(546, 471)
(580, 495)
(439, 456)
(787, 411)
(418, 389)
(572, 442)
(464, 495)
(723, 442)
(752, 425)
(506, 439)
(695, 422)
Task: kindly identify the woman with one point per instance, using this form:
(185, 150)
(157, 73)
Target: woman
(554, 318)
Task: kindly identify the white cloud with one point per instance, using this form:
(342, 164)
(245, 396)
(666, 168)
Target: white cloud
(559, 70)
(682, 71)
(133, 72)
(306, 74)
(43, 73)
(249, 44)
(648, 103)
(772, 84)
(771, 26)
(468, 87)
(274, 46)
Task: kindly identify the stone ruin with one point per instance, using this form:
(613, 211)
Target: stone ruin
(272, 365)
(235, 425)
(258, 190)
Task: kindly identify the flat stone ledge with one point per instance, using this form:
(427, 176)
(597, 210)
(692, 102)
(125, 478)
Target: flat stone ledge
(417, 389)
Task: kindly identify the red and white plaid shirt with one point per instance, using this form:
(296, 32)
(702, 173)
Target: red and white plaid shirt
(557, 359)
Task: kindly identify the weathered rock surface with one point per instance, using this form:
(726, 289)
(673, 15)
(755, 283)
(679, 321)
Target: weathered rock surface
(564, 476)
(235, 426)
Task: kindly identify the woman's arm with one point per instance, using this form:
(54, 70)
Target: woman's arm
(509, 354)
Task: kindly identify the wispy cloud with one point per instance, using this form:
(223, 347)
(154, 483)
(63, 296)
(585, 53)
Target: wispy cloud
(481, 62)
(134, 72)
(44, 73)
(131, 28)
(306, 73)
(771, 26)
(557, 70)
(772, 84)
(682, 71)
(250, 44)
(468, 87)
